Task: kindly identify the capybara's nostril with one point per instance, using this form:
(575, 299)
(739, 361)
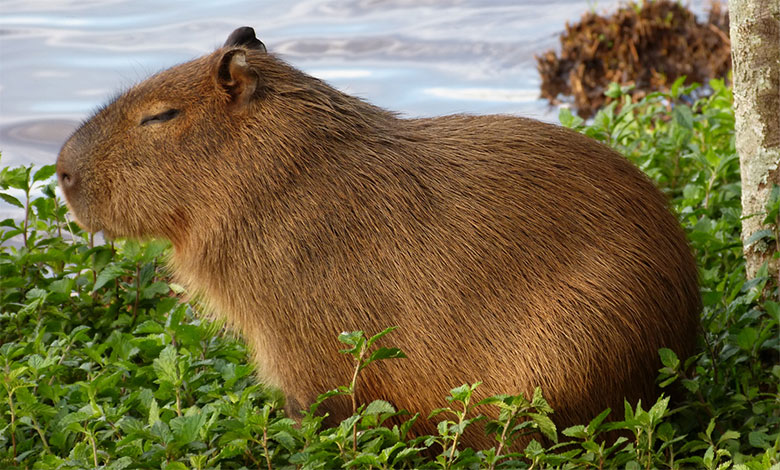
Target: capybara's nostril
(65, 174)
(67, 180)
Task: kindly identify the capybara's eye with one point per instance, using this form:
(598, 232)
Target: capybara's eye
(161, 117)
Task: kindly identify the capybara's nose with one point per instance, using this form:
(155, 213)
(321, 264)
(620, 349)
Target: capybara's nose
(66, 173)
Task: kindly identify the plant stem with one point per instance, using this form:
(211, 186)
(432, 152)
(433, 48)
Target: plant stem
(354, 437)
(253, 459)
(452, 450)
(26, 216)
(265, 447)
(94, 448)
(353, 390)
(649, 448)
(62, 358)
(457, 434)
(353, 384)
(70, 229)
(57, 217)
(137, 291)
(40, 433)
(503, 439)
(13, 421)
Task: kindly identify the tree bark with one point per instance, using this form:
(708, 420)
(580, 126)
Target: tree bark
(755, 52)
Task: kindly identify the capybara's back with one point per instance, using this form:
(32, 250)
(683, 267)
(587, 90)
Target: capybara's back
(507, 251)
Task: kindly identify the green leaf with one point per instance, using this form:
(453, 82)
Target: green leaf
(747, 338)
(83, 414)
(121, 463)
(728, 435)
(153, 249)
(49, 190)
(404, 454)
(577, 431)
(683, 116)
(386, 353)
(759, 235)
(365, 461)
(461, 393)
(675, 88)
(166, 365)
(80, 333)
(11, 200)
(538, 401)
(613, 90)
(62, 286)
(103, 256)
(628, 411)
(132, 249)
(44, 173)
(568, 119)
(157, 289)
(691, 385)
(285, 439)
(162, 432)
(377, 407)
(710, 428)
(633, 465)
(757, 439)
(665, 383)
(189, 335)
(773, 309)
(591, 447)
(15, 178)
(186, 428)
(108, 274)
(382, 333)
(773, 206)
(173, 466)
(596, 422)
(352, 338)
(154, 413)
(36, 293)
(669, 358)
(658, 410)
(546, 426)
(148, 327)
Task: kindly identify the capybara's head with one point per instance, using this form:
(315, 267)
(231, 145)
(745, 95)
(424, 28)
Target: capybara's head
(144, 163)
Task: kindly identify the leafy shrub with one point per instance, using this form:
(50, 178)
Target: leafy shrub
(103, 366)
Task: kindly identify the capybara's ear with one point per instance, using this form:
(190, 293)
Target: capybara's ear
(244, 37)
(236, 77)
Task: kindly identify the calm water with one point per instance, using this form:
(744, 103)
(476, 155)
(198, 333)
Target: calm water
(59, 60)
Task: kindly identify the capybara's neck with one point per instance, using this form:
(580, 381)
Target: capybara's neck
(298, 194)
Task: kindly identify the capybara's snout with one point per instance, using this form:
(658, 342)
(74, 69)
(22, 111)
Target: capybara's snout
(67, 175)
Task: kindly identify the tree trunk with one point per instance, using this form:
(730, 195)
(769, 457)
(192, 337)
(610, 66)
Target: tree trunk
(755, 52)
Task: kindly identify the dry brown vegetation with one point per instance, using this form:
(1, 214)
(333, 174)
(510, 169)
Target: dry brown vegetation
(647, 45)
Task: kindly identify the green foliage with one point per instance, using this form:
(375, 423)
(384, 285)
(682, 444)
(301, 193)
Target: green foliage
(103, 366)
(731, 387)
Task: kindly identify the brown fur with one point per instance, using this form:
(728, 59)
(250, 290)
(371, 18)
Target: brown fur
(506, 250)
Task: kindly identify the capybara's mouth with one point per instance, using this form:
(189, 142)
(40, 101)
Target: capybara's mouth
(81, 217)
(83, 223)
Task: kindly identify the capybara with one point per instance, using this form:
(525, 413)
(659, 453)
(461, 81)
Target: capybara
(505, 250)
